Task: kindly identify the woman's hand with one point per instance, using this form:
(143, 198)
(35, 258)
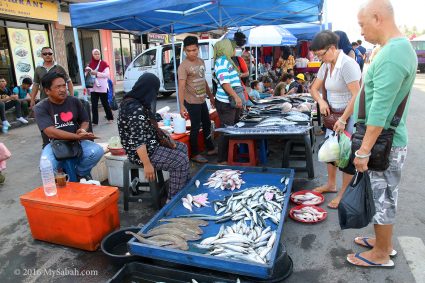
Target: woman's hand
(93, 72)
(149, 171)
(324, 108)
(339, 127)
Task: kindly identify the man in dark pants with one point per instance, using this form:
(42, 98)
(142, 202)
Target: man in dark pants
(193, 89)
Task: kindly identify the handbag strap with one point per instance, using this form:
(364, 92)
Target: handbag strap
(397, 116)
(324, 90)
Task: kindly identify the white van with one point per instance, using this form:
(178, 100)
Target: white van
(159, 61)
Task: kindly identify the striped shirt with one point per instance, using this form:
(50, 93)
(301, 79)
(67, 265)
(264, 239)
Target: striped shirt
(226, 74)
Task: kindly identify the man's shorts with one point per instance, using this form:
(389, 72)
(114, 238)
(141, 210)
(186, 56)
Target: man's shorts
(385, 187)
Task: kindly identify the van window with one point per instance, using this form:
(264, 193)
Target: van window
(204, 51)
(418, 45)
(146, 59)
(167, 52)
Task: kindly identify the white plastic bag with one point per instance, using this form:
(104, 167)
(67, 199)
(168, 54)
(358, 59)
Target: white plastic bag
(329, 152)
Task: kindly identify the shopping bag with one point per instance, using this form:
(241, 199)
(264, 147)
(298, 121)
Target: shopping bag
(357, 207)
(4, 152)
(329, 151)
(89, 80)
(344, 150)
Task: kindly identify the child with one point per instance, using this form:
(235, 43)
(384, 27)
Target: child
(23, 93)
(255, 94)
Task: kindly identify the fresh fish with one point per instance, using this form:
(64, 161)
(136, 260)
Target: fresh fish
(187, 204)
(197, 183)
(176, 241)
(193, 229)
(149, 241)
(308, 213)
(172, 231)
(225, 179)
(195, 222)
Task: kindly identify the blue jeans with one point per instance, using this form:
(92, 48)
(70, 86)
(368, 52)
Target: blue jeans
(92, 153)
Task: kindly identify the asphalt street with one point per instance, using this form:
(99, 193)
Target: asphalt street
(318, 251)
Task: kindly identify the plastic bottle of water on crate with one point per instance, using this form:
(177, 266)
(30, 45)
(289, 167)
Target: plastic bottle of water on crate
(47, 177)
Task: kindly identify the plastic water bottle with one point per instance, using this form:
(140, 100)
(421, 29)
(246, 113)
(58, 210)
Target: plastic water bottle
(85, 96)
(47, 177)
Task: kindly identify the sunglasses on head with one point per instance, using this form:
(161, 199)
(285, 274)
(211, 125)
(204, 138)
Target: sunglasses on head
(47, 53)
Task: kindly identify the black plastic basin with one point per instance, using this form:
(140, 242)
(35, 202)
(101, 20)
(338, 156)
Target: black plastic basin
(115, 247)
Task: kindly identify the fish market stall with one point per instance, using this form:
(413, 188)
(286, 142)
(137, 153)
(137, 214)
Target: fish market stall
(229, 219)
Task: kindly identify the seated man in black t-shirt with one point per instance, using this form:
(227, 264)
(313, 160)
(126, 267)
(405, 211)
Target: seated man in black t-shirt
(63, 117)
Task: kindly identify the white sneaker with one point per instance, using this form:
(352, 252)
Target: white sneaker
(6, 123)
(22, 120)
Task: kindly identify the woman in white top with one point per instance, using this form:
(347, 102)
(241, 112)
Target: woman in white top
(342, 85)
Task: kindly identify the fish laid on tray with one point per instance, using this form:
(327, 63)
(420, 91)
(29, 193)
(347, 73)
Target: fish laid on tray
(225, 179)
(274, 121)
(309, 214)
(173, 234)
(239, 241)
(308, 198)
(198, 201)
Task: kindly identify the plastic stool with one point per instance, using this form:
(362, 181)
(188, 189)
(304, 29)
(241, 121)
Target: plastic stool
(233, 155)
(157, 187)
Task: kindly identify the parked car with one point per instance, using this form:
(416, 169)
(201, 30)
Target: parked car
(159, 61)
(419, 46)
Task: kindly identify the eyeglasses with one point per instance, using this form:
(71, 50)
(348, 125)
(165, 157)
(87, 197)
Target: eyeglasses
(324, 53)
(45, 54)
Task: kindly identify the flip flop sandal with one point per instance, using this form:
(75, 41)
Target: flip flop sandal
(199, 159)
(367, 245)
(389, 264)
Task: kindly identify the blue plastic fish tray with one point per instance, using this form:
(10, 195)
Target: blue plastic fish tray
(253, 176)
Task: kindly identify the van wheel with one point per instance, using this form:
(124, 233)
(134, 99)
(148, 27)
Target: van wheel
(167, 94)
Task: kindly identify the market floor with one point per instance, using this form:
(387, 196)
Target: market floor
(318, 251)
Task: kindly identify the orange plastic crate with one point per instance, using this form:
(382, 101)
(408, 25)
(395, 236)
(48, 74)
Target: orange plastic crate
(78, 216)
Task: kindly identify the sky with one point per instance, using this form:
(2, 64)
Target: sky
(343, 15)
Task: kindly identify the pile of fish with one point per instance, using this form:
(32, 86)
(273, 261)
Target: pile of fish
(309, 214)
(241, 242)
(225, 179)
(174, 234)
(198, 201)
(307, 198)
(297, 116)
(274, 121)
(256, 204)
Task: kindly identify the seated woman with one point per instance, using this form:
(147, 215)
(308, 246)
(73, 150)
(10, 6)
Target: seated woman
(144, 142)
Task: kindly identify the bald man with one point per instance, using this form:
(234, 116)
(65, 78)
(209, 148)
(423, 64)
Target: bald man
(388, 81)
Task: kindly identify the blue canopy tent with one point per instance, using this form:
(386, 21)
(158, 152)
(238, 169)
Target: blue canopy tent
(305, 31)
(180, 16)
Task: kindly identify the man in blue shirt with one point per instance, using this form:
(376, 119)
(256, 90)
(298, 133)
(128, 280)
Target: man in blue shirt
(362, 51)
(23, 91)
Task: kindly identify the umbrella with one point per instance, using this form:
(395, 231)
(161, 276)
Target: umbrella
(265, 36)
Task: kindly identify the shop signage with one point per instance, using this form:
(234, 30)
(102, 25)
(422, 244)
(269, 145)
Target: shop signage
(155, 37)
(204, 35)
(41, 9)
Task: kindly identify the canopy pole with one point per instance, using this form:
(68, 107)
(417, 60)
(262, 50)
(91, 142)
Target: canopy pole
(175, 67)
(79, 60)
(256, 62)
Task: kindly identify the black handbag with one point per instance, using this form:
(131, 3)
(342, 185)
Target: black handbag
(357, 206)
(89, 80)
(64, 149)
(380, 153)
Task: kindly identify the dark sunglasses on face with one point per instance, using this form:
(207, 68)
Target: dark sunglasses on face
(45, 54)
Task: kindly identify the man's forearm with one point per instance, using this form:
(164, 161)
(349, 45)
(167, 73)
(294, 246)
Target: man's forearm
(34, 91)
(209, 93)
(369, 140)
(84, 126)
(181, 93)
(54, 133)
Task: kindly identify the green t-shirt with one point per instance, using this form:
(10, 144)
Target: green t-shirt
(388, 80)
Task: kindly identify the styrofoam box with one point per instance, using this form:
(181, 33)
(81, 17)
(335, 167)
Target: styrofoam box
(115, 165)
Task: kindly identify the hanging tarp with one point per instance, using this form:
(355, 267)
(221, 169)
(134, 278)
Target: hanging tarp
(179, 16)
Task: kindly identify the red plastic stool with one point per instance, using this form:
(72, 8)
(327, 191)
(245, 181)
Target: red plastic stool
(233, 155)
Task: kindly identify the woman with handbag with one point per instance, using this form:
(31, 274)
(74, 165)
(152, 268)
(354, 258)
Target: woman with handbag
(147, 145)
(97, 75)
(339, 76)
(229, 97)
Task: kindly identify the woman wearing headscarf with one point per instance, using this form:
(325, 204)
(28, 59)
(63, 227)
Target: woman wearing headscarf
(99, 69)
(341, 76)
(228, 80)
(143, 140)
